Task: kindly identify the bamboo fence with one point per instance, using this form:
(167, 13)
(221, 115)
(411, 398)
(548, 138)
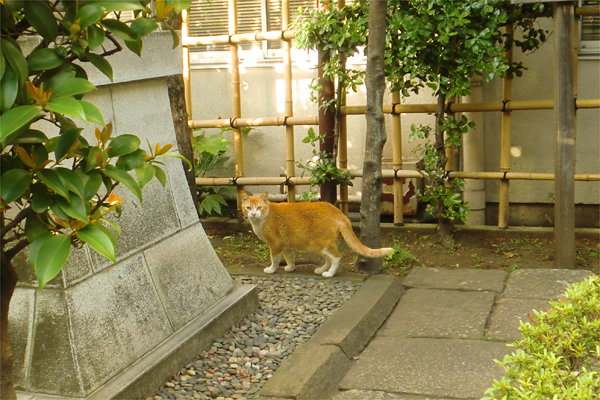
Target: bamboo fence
(506, 106)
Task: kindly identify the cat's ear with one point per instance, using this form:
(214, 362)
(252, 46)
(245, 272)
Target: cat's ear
(244, 196)
(264, 196)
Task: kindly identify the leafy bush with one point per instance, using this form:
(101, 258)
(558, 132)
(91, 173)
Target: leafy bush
(559, 355)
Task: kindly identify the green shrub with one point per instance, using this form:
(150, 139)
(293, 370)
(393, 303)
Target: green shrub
(559, 354)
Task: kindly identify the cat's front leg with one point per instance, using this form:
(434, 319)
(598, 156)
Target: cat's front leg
(288, 255)
(275, 258)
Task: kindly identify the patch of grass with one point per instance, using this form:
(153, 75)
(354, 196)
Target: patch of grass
(400, 258)
(261, 252)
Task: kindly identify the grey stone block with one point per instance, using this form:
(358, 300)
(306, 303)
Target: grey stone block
(542, 283)
(445, 314)
(118, 317)
(355, 323)
(184, 205)
(20, 332)
(355, 394)
(507, 315)
(460, 279)
(429, 367)
(311, 372)
(191, 282)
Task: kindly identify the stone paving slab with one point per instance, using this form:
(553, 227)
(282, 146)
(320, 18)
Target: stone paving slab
(504, 325)
(378, 395)
(460, 279)
(453, 368)
(542, 283)
(433, 313)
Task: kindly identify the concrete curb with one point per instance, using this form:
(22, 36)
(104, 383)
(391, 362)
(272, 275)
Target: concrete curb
(315, 368)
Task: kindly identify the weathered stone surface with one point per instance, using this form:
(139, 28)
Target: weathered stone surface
(542, 283)
(460, 279)
(311, 372)
(447, 368)
(20, 333)
(507, 315)
(186, 292)
(118, 317)
(355, 394)
(356, 322)
(436, 313)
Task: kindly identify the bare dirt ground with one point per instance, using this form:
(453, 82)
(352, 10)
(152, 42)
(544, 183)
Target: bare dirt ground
(418, 245)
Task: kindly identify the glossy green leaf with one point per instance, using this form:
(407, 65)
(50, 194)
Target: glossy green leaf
(95, 36)
(116, 227)
(100, 63)
(43, 59)
(53, 77)
(40, 16)
(34, 228)
(14, 57)
(181, 5)
(31, 136)
(123, 144)
(119, 28)
(9, 87)
(145, 173)
(50, 178)
(160, 175)
(68, 106)
(135, 46)
(48, 254)
(89, 14)
(92, 114)
(143, 26)
(74, 207)
(58, 211)
(71, 180)
(65, 141)
(71, 87)
(13, 183)
(131, 161)
(100, 239)
(15, 119)
(119, 175)
(3, 64)
(40, 201)
(176, 155)
(91, 184)
(96, 157)
(175, 37)
(119, 5)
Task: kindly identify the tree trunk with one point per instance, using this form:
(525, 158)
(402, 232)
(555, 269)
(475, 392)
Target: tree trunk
(445, 226)
(9, 282)
(326, 126)
(182, 132)
(370, 206)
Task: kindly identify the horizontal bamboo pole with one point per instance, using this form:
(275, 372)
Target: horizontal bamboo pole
(240, 122)
(587, 11)
(252, 181)
(471, 107)
(241, 37)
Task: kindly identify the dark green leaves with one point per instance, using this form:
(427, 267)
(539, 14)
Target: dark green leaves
(40, 16)
(89, 14)
(65, 142)
(119, 28)
(123, 144)
(47, 255)
(119, 175)
(43, 59)
(100, 239)
(71, 87)
(15, 58)
(15, 119)
(13, 184)
(100, 63)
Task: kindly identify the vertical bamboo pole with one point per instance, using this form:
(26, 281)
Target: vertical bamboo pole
(343, 140)
(237, 106)
(397, 162)
(290, 167)
(505, 141)
(187, 88)
(451, 150)
(564, 112)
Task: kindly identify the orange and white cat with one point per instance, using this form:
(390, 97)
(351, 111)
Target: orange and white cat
(303, 226)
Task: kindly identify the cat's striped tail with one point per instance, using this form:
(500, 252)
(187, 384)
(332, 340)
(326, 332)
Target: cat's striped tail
(348, 234)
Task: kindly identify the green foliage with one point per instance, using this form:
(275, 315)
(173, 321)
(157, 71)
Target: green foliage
(321, 166)
(559, 354)
(57, 192)
(401, 257)
(211, 154)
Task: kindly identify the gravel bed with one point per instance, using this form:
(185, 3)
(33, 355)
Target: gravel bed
(238, 364)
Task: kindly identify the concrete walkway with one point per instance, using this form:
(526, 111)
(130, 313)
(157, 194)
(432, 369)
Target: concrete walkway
(434, 336)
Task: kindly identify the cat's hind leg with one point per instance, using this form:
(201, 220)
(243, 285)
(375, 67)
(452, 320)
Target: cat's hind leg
(333, 259)
(275, 258)
(323, 268)
(288, 256)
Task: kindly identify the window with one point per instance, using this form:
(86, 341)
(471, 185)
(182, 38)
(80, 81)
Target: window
(211, 19)
(590, 32)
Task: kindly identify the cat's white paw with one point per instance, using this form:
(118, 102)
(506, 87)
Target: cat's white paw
(270, 270)
(328, 274)
(320, 270)
(290, 268)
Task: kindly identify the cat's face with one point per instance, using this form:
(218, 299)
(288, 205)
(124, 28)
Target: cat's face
(255, 207)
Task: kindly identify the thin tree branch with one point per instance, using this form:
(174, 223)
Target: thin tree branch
(13, 224)
(10, 254)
